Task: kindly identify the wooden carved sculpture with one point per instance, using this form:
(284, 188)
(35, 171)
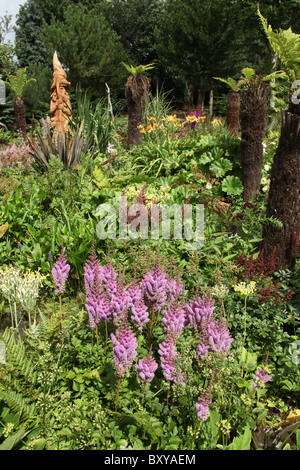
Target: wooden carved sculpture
(60, 106)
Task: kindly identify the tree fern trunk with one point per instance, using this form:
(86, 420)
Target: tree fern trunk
(253, 118)
(284, 194)
(19, 110)
(136, 92)
(233, 111)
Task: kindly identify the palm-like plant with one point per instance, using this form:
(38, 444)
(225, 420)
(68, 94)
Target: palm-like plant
(136, 92)
(17, 84)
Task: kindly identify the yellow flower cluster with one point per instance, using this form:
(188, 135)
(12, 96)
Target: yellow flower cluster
(160, 195)
(245, 289)
(193, 118)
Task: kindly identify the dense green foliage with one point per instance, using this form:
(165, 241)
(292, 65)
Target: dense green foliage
(236, 382)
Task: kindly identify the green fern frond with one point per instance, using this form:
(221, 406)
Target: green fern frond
(286, 45)
(18, 404)
(139, 69)
(18, 82)
(16, 356)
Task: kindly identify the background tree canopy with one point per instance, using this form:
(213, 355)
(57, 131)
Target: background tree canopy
(190, 41)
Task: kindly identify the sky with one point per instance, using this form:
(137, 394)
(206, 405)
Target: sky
(10, 7)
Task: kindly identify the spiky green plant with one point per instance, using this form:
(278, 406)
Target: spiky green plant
(68, 148)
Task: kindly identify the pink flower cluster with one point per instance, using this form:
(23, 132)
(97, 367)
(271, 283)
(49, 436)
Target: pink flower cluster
(16, 157)
(60, 273)
(155, 294)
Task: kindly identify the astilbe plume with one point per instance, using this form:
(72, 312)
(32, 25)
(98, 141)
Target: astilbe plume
(60, 273)
(109, 275)
(202, 405)
(174, 319)
(91, 266)
(199, 311)
(168, 352)
(140, 315)
(154, 285)
(124, 350)
(119, 302)
(134, 295)
(218, 336)
(146, 368)
(174, 287)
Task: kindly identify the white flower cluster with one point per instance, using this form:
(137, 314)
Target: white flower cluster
(21, 288)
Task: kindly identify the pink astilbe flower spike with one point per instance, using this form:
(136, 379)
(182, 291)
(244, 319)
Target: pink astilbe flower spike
(119, 302)
(167, 352)
(109, 274)
(60, 273)
(218, 336)
(154, 285)
(146, 368)
(90, 268)
(199, 311)
(174, 319)
(140, 315)
(203, 402)
(124, 350)
(202, 406)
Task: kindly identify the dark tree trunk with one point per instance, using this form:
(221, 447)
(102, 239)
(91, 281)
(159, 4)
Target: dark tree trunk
(19, 111)
(233, 111)
(136, 92)
(253, 119)
(284, 194)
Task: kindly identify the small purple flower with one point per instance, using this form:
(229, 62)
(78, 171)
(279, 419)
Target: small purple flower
(146, 368)
(20, 246)
(140, 315)
(60, 273)
(50, 257)
(260, 378)
(124, 350)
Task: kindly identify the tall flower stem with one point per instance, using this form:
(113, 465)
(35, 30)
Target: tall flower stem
(106, 337)
(60, 309)
(245, 327)
(117, 394)
(152, 321)
(97, 339)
